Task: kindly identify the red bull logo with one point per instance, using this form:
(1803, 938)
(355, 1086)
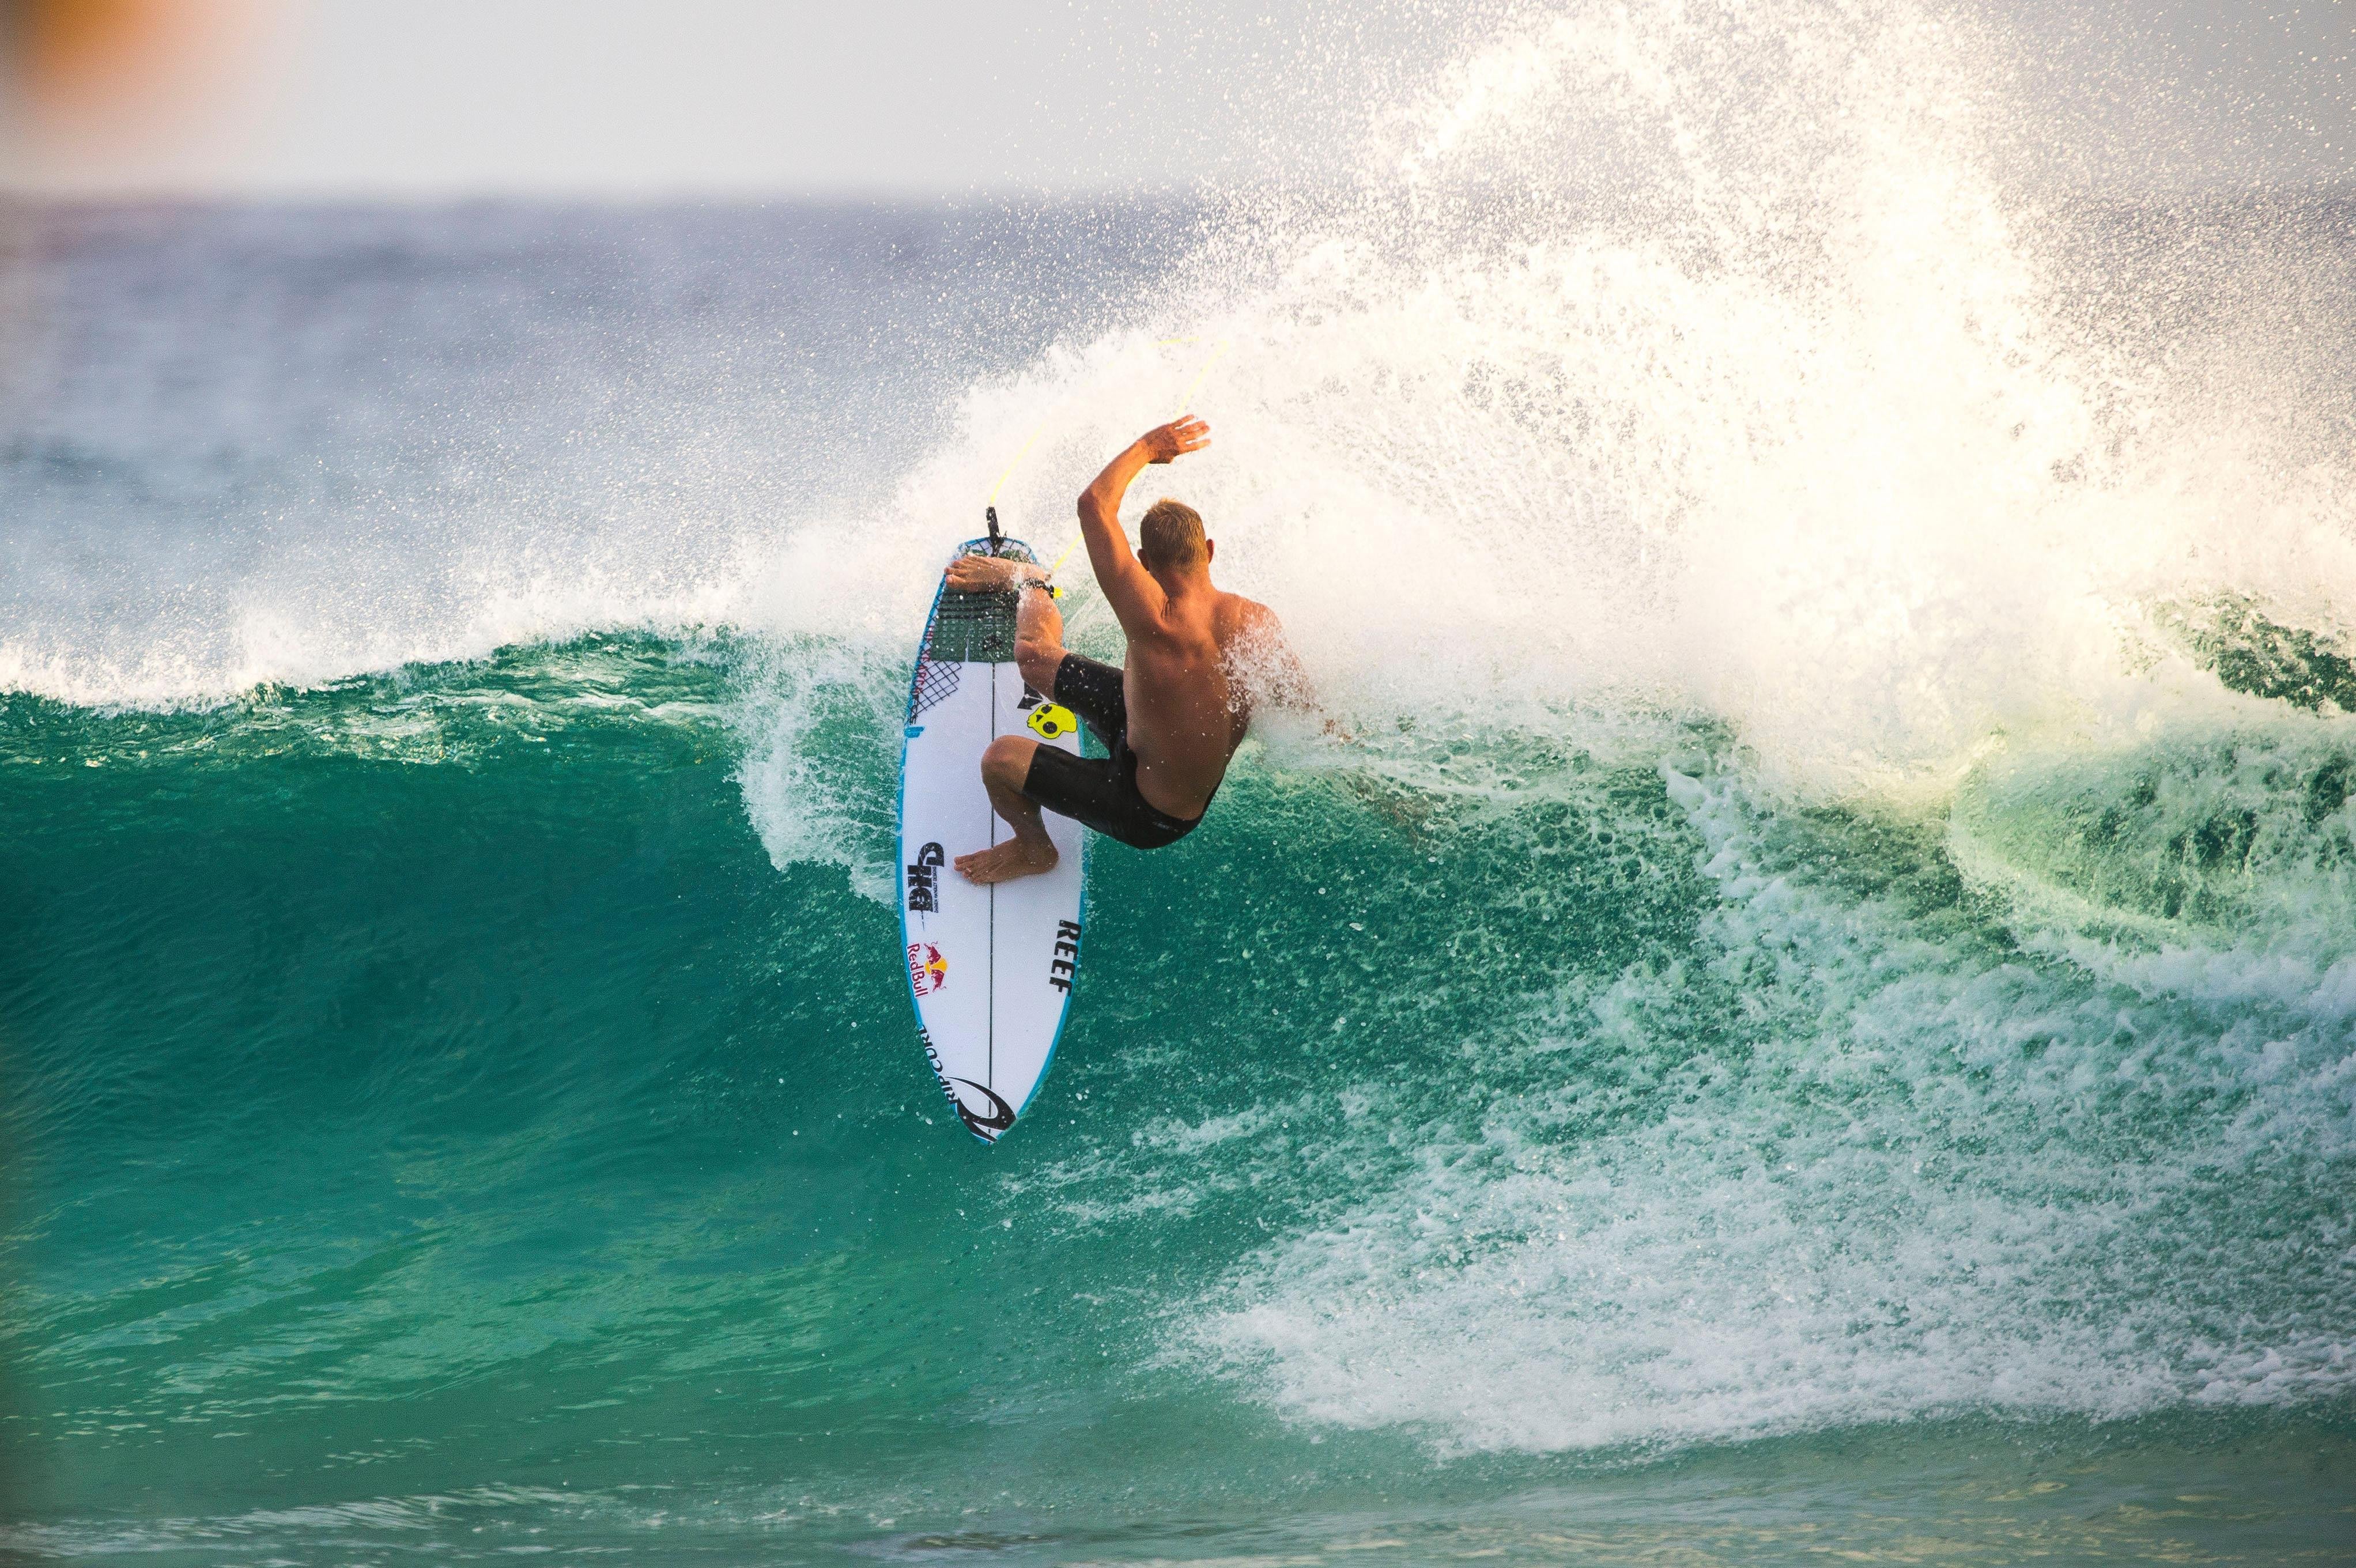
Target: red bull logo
(927, 970)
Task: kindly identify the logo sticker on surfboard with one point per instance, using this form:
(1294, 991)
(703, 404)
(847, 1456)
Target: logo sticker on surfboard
(1014, 947)
(923, 882)
(927, 970)
(993, 1118)
(1052, 721)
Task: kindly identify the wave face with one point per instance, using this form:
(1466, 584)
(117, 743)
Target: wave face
(1818, 1014)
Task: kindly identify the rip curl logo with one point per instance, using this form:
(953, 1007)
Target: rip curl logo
(987, 1128)
(985, 1124)
(923, 881)
(927, 970)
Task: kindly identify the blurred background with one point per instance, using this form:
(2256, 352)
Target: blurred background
(444, 99)
(277, 97)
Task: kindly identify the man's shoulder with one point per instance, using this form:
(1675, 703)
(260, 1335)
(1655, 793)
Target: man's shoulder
(1245, 612)
(1242, 620)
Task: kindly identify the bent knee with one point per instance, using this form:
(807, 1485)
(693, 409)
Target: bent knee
(1007, 759)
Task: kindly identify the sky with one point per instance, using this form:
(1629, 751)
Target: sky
(624, 99)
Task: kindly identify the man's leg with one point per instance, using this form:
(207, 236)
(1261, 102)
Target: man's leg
(1006, 763)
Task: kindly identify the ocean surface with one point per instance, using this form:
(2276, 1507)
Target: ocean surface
(1815, 1019)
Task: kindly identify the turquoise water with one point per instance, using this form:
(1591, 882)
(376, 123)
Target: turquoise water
(439, 1127)
(1815, 1017)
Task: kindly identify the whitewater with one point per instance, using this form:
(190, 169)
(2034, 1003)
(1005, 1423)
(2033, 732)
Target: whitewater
(1817, 1013)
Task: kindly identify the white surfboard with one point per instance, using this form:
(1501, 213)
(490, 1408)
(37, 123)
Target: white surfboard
(990, 968)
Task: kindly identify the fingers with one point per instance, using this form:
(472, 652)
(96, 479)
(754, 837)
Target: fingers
(1182, 435)
(1187, 434)
(980, 574)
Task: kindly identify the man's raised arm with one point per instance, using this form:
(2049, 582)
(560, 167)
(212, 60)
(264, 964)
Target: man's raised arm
(1131, 592)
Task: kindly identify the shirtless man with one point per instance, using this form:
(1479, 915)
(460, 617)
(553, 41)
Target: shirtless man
(1171, 717)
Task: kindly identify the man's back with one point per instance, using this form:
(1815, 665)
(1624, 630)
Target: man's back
(1189, 691)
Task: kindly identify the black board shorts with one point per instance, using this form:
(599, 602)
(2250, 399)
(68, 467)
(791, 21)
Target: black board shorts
(1099, 791)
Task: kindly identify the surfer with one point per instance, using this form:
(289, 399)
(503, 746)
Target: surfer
(1171, 717)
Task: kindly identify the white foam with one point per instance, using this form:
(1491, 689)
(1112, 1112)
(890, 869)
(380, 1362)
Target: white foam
(1656, 350)
(1899, 1181)
(2207, 860)
(1671, 355)
(271, 633)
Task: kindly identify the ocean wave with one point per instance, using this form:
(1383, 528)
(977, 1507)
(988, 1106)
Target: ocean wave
(1837, 1164)
(1837, 916)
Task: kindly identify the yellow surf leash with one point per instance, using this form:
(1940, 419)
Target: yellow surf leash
(1020, 453)
(1195, 385)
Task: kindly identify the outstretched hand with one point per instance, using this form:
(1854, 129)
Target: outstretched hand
(1166, 443)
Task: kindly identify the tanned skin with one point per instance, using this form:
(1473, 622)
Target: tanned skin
(1186, 716)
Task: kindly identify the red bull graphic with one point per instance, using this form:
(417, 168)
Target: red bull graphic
(927, 970)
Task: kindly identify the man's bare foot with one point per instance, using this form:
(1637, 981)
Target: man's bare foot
(1004, 862)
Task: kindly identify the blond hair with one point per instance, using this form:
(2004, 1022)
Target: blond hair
(1171, 537)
